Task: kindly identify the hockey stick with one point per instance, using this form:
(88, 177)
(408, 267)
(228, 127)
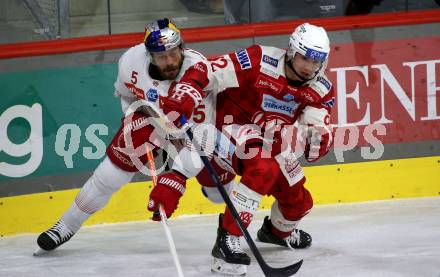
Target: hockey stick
(163, 216)
(268, 270)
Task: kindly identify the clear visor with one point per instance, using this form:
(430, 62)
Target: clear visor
(306, 64)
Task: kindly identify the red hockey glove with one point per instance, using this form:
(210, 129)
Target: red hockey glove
(181, 101)
(170, 187)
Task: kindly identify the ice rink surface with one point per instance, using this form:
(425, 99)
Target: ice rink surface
(382, 238)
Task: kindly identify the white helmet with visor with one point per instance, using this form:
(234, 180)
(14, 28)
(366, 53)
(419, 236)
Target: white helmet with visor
(312, 42)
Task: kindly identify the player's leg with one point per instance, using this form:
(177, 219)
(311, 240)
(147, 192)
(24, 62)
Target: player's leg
(114, 171)
(291, 205)
(209, 188)
(93, 196)
(258, 176)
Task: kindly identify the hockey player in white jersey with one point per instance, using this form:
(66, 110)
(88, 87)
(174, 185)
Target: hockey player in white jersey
(145, 72)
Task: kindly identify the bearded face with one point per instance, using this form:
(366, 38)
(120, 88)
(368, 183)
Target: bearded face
(168, 62)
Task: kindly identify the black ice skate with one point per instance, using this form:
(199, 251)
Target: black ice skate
(229, 258)
(52, 238)
(298, 239)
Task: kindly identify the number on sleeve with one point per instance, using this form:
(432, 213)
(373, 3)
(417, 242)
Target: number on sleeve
(218, 63)
(134, 77)
(199, 114)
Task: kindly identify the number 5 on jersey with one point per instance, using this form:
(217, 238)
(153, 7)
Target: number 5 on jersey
(199, 114)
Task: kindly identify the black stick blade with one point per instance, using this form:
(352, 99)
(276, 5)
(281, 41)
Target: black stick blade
(283, 271)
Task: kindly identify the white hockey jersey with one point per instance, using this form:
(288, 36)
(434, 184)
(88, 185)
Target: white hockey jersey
(134, 83)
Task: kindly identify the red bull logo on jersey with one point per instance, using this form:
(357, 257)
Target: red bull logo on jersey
(243, 59)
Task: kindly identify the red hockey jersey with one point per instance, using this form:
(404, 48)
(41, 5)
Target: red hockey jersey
(252, 88)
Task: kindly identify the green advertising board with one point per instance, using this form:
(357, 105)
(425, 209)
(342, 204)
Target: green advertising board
(56, 121)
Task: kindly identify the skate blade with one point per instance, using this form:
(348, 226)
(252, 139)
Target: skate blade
(40, 252)
(226, 269)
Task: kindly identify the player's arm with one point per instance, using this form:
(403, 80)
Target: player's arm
(126, 96)
(314, 121)
(213, 75)
(126, 87)
(188, 94)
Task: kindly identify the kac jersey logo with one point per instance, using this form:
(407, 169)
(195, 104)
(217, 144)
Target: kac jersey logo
(243, 59)
(152, 95)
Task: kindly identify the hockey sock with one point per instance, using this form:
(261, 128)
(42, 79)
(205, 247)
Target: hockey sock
(246, 202)
(96, 192)
(281, 227)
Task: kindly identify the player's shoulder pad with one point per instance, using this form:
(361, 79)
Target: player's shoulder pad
(273, 53)
(272, 61)
(246, 57)
(193, 55)
(132, 58)
(323, 86)
(251, 57)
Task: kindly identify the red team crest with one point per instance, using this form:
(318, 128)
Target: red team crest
(246, 217)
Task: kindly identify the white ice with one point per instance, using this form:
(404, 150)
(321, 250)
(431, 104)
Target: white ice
(382, 238)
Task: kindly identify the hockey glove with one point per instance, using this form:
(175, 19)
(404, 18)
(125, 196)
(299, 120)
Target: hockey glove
(315, 132)
(318, 142)
(181, 101)
(170, 187)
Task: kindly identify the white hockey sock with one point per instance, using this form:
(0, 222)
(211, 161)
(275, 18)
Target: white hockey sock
(96, 192)
(279, 221)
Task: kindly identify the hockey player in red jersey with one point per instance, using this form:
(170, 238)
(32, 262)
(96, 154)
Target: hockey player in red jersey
(260, 91)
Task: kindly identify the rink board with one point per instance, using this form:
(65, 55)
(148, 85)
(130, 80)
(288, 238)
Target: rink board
(355, 182)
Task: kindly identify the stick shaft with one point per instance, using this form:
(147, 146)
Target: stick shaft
(164, 218)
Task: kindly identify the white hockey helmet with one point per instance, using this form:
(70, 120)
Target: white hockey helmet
(162, 35)
(312, 42)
